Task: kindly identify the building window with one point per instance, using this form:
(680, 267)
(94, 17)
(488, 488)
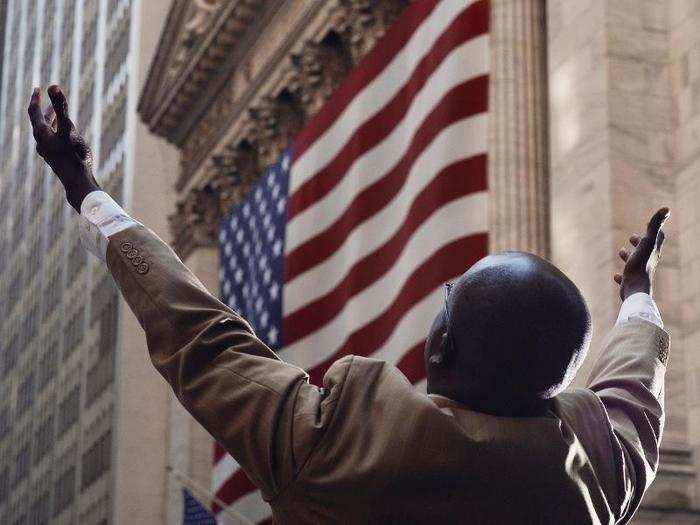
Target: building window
(117, 50)
(43, 439)
(68, 410)
(73, 332)
(47, 365)
(5, 422)
(4, 484)
(39, 511)
(115, 124)
(65, 491)
(96, 459)
(78, 260)
(10, 355)
(25, 395)
(22, 462)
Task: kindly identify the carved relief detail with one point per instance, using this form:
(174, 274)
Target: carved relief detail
(318, 70)
(275, 123)
(366, 21)
(268, 126)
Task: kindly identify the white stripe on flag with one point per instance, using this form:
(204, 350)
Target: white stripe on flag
(252, 506)
(378, 92)
(412, 329)
(468, 61)
(457, 219)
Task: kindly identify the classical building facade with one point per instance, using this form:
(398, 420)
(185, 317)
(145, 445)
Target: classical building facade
(70, 407)
(594, 118)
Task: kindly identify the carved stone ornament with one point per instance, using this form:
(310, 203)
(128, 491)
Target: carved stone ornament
(275, 122)
(319, 69)
(366, 21)
(267, 122)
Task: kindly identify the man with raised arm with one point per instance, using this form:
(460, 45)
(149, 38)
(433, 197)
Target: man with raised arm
(497, 440)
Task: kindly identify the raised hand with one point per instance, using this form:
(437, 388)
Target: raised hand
(61, 146)
(640, 265)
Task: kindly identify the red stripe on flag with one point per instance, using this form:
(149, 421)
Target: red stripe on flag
(446, 263)
(412, 364)
(473, 22)
(235, 487)
(369, 68)
(464, 100)
(219, 452)
(454, 181)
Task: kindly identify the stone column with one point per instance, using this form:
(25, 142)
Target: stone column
(613, 163)
(518, 147)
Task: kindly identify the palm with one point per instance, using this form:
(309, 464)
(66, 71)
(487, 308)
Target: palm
(640, 265)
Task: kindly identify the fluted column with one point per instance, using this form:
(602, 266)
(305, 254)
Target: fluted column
(518, 153)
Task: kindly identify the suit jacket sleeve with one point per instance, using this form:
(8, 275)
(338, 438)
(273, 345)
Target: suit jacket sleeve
(261, 410)
(628, 379)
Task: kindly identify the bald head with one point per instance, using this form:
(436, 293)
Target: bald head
(518, 330)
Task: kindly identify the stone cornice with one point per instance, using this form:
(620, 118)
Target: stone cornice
(244, 117)
(202, 42)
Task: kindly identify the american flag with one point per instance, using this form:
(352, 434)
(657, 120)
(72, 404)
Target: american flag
(343, 246)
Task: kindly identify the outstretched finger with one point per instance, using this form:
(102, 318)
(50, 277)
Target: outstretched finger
(617, 278)
(36, 117)
(50, 117)
(60, 106)
(656, 222)
(634, 240)
(624, 255)
(660, 240)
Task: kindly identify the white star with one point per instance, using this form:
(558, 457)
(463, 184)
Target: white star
(274, 291)
(227, 287)
(222, 236)
(272, 335)
(266, 220)
(246, 290)
(259, 305)
(232, 263)
(270, 234)
(277, 248)
(234, 222)
(275, 191)
(246, 210)
(246, 249)
(280, 205)
(239, 236)
(270, 181)
(285, 162)
(258, 194)
(228, 248)
(238, 275)
(263, 319)
(222, 274)
(267, 275)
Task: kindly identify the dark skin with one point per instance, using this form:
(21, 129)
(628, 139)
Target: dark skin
(445, 375)
(70, 157)
(60, 145)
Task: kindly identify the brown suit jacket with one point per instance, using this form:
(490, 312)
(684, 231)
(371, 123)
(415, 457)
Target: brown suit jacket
(367, 447)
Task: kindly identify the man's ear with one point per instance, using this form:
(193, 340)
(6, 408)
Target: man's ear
(442, 355)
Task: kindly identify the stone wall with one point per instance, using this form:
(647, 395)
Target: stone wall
(617, 111)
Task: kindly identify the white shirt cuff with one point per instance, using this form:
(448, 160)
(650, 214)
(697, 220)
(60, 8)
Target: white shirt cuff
(640, 305)
(100, 218)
